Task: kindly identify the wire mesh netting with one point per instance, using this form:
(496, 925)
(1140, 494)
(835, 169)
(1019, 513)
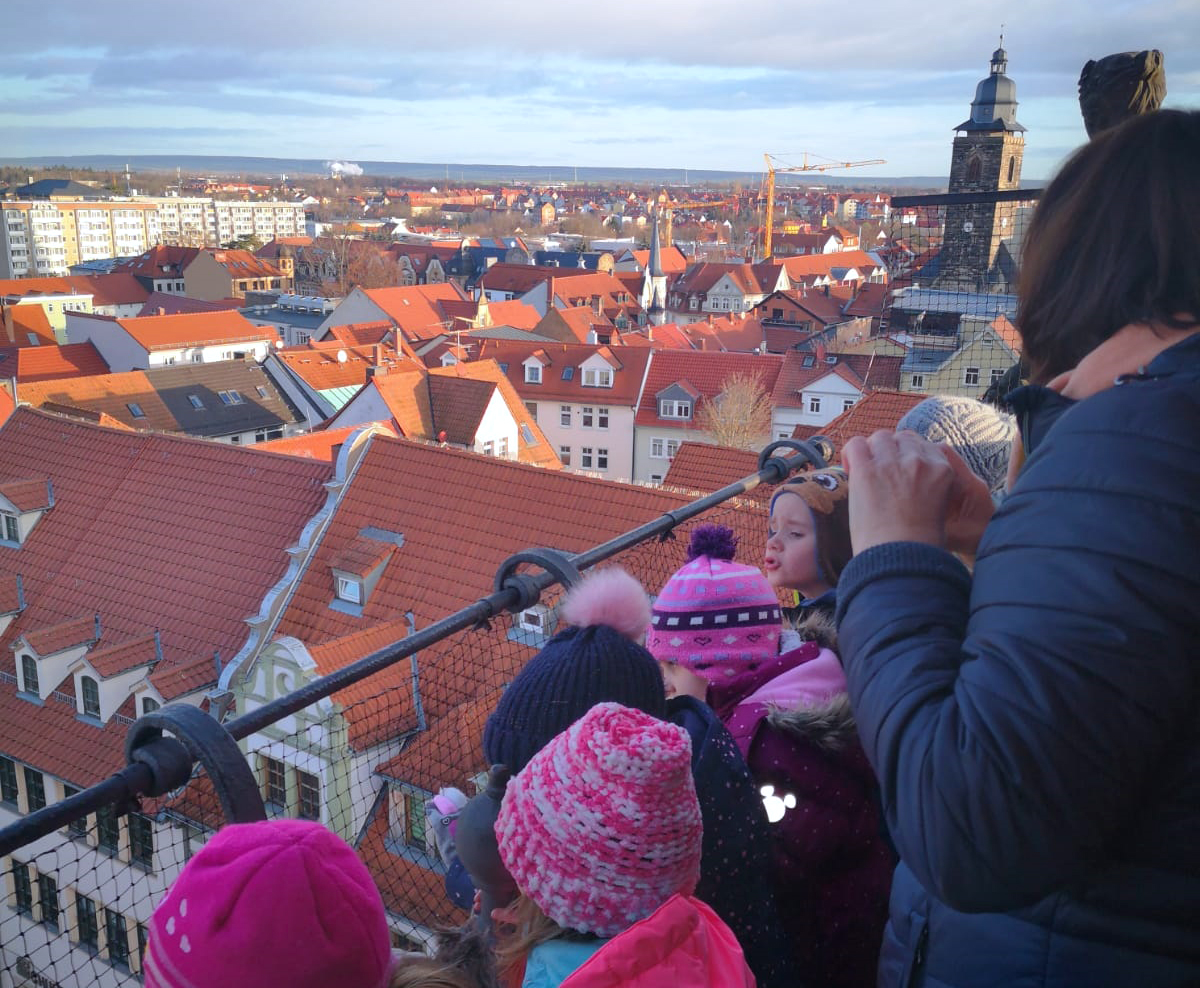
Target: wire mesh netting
(364, 762)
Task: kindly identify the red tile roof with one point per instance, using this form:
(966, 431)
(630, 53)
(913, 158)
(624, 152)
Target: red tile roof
(519, 315)
(27, 321)
(192, 329)
(629, 366)
(875, 410)
(165, 304)
(416, 309)
(320, 445)
(705, 372)
(704, 468)
(361, 333)
(801, 369)
(27, 495)
(140, 523)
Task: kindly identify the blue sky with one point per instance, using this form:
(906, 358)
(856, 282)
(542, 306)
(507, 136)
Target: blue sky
(652, 83)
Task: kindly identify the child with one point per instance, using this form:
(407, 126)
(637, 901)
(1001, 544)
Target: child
(784, 701)
(601, 831)
(284, 902)
(808, 540)
(598, 658)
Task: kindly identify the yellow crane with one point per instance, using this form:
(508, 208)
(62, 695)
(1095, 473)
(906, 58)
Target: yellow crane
(668, 209)
(804, 166)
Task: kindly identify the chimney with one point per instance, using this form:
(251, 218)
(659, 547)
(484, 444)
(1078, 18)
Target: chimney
(160, 311)
(8, 324)
(377, 355)
(550, 293)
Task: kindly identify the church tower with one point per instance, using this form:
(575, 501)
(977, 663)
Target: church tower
(654, 281)
(986, 158)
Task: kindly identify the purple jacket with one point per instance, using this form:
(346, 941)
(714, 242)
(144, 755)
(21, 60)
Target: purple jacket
(831, 866)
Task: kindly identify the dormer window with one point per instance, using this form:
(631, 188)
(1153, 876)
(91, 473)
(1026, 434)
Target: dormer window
(89, 695)
(149, 705)
(594, 377)
(349, 590)
(29, 674)
(673, 409)
(12, 533)
(533, 373)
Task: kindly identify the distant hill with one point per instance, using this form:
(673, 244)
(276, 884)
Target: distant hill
(457, 173)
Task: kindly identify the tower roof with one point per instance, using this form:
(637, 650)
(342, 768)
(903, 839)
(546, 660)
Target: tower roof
(655, 262)
(994, 108)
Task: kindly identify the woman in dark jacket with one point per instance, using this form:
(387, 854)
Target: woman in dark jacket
(1036, 726)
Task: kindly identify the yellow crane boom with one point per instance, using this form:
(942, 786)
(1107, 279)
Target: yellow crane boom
(804, 166)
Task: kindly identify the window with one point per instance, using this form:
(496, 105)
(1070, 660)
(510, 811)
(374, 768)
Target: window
(489, 447)
(22, 887)
(197, 358)
(814, 403)
(601, 459)
(195, 402)
(8, 782)
(847, 404)
(231, 397)
(141, 840)
(504, 446)
(533, 373)
(996, 374)
(86, 926)
(585, 457)
(77, 828)
(35, 789)
(149, 704)
(669, 409)
(108, 830)
(917, 381)
(141, 942)
(118, 938)
(414, 809)
(11, 532)
(310, 795)
(90, 691)
(262, 392)
(596, 378)
(564, 416)
(587, 415)
(658, 449)
(48, 901)
(349, 590)
(564, 454)
(531, 408)
(275, 788)
(601, 418)
(971, 375)
(135, 410)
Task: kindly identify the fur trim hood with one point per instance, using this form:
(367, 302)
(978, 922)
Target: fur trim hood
(829, 726)
(815, 625)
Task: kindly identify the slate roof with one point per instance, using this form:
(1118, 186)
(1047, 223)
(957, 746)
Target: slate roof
(140, 523)
(46, 363)
(705, 372)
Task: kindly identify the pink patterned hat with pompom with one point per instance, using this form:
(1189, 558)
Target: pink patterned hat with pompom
(715, 617)
(603, 825)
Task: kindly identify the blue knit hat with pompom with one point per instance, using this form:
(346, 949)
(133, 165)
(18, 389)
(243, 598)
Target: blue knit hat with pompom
(598, 659)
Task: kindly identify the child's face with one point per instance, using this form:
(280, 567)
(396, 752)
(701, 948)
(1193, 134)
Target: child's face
(791, 557)
(681, 681)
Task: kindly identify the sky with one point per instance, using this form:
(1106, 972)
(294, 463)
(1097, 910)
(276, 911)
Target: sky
(633, 83)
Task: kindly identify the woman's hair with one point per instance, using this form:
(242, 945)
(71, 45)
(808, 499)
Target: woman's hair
(1114, 240)
(523, 928)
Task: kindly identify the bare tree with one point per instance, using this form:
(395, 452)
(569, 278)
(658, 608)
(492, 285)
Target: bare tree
(740, 416)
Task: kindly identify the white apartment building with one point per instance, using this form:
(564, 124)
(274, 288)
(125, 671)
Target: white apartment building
(206, 222)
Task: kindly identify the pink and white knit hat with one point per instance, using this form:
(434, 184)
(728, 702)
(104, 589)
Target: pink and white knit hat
(603, 825)
(714, 616)
(281, 902)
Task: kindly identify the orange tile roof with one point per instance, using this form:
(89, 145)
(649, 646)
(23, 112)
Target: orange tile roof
(801, 368)
(628, 370)
(362, 555)
(242, 263)
(44, 363)
(415, 309)
(116, 659)
(323, 444)
(59, 637)
(406, 392)
(705, 372)
(140, 523)
(1009, 335)
(805, 267)
(361, 333)
(320, 368)
(27, 321)
(193, 329)
(519, 315)
(109, 394)
(27, 495)
(460, 403)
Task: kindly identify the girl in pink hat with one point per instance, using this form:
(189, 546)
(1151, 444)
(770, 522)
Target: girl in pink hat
(601, 832)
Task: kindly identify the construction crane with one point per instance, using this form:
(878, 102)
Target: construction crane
(805, 166)
(668, 209)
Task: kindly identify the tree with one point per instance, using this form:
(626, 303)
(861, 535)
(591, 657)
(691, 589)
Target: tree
(740, 416)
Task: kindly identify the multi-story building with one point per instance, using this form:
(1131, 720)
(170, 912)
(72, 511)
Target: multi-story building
(203, 222)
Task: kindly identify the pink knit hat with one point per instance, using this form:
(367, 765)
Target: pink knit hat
(716, 617)
(284, 902)
(603, 825)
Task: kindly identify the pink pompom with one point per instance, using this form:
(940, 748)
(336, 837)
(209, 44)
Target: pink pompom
(610, 597)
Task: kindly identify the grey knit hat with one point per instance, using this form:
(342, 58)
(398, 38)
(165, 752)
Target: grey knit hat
(976, 431)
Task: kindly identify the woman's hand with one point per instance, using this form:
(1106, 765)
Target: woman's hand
(970, 507)
(904, 488)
